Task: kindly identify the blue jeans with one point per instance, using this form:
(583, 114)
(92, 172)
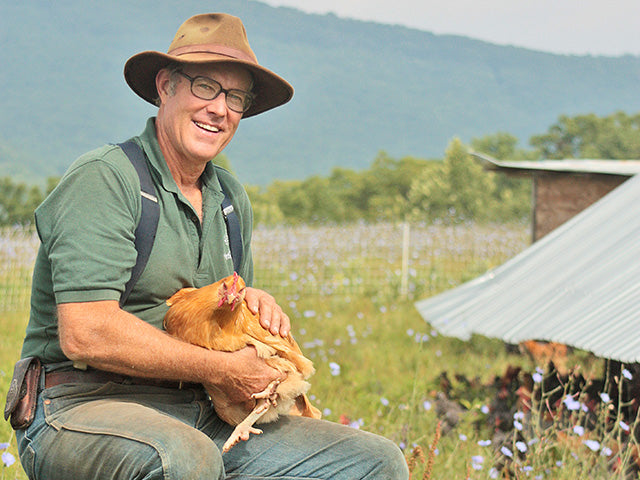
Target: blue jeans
(113, 431)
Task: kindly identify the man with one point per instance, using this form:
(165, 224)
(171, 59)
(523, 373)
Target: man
(119, 397)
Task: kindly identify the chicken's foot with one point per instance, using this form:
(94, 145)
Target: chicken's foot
(269, 393)
(244, 429)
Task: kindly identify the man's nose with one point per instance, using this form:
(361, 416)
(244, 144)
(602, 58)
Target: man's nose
(218, 105)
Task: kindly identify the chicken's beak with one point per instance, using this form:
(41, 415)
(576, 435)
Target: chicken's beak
(230, 294)
(238, 298)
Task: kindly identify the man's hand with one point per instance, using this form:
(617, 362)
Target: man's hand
(272, 317)
(246, 375)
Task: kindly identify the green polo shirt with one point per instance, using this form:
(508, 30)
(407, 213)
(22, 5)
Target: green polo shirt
(86, 227)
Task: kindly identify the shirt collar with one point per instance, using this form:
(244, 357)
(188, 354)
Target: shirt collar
(151, 147)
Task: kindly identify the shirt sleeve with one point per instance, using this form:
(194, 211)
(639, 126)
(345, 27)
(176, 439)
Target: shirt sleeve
(87, 226)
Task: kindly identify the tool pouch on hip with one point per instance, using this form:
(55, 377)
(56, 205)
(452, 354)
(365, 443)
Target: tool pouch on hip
(23, 393)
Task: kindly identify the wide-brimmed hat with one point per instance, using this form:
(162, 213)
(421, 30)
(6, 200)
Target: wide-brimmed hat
(209, 38)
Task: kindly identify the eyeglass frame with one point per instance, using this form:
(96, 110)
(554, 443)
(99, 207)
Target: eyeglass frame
(250, 96)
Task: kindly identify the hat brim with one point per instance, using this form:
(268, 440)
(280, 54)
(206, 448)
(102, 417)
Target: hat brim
(269, 89)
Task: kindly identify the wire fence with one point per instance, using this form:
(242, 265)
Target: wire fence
(380, 260)
(18, 249)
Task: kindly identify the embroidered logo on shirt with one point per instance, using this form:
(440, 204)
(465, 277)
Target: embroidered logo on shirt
(148, 196)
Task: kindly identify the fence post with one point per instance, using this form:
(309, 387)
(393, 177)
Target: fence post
(404, 280)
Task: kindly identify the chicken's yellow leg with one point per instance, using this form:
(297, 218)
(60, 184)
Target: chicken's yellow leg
(244, 429)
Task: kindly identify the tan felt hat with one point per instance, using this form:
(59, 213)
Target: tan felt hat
(209, 38)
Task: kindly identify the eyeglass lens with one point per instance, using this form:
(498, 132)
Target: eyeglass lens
(208, 89)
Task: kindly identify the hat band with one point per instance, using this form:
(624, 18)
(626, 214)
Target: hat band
(213, 49)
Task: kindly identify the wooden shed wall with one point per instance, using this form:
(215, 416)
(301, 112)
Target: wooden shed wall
(560, 196)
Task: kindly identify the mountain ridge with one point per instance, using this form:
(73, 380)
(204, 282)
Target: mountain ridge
(360, 87)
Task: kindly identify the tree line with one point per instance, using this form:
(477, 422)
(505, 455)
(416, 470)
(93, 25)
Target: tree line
(455, 188)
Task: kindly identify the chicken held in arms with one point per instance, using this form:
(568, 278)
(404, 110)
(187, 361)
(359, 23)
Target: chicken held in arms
(217, 317)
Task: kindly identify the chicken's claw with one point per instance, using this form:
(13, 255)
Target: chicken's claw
(245, 428)
(238, 435)
(269, 393)
(264, 401)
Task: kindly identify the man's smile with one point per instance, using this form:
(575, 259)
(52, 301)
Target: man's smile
(207, 127)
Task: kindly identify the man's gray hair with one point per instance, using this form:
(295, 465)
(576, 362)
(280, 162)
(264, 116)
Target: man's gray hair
(172, 68)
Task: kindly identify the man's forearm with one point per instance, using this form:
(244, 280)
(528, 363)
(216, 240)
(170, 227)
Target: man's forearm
(102, 335)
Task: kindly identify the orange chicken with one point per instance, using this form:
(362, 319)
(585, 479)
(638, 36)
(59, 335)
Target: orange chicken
(217, 317)
(542, 352)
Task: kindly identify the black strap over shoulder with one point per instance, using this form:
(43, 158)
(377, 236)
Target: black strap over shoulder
(233, 232)
(145, 233)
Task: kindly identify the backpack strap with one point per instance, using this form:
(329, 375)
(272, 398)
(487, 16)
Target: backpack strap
(233, 231)
(145, 233)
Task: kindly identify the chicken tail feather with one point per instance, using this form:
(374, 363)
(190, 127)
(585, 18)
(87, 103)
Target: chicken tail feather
(303, 408)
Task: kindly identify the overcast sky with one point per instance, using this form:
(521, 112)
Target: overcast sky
(597, 27)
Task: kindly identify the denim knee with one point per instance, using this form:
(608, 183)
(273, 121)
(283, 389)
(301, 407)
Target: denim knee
(155, 447)
(192, 458)
(387, 461)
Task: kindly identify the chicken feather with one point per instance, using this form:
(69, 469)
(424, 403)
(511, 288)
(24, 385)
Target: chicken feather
(217, 317)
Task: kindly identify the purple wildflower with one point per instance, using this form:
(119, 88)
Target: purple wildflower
(593, 445)
(505, 451)
(8, 459)
(571, 403)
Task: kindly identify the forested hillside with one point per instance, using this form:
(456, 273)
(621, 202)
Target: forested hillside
(452, 189)
(361, 88)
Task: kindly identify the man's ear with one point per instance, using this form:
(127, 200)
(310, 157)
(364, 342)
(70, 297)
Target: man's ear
(162, 84)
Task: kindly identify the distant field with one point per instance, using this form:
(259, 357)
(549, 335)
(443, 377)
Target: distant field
(379, 365)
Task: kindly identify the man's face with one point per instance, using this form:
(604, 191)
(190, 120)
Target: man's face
(193, 130)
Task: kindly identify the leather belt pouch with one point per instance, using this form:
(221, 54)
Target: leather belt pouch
(23, 393)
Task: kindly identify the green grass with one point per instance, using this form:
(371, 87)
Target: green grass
(379, 364)
(12, 327)
(390, 364)
(385, 374)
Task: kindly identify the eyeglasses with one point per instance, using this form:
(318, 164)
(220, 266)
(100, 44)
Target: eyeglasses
(207, 89)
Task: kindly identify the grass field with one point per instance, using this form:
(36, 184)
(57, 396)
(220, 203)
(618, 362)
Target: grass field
(380, 367)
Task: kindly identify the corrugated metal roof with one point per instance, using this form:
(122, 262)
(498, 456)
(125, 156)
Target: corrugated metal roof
(579, 285)
(609, 167)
